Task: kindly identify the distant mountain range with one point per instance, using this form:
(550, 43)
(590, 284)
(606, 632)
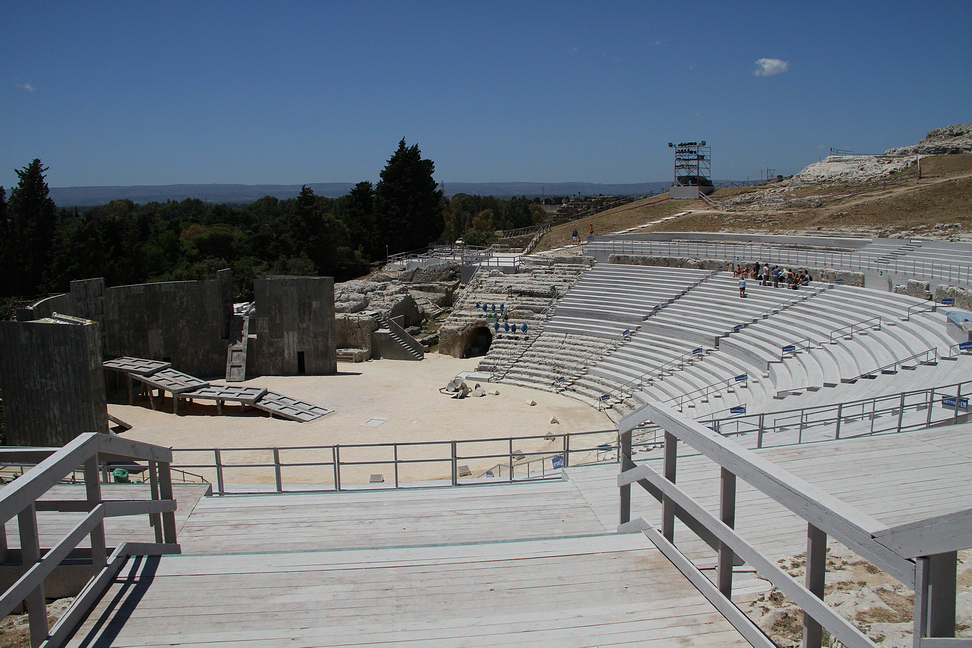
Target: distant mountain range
(245, 194)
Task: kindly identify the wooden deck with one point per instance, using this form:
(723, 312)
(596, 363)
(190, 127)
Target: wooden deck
(607, 590)
(895, 478)
(523, 564)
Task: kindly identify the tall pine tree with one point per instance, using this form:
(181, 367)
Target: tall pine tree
(408, 204)
(32, 220)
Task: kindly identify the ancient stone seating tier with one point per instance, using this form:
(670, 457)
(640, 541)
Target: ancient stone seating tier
(554, 357)
(612, 297)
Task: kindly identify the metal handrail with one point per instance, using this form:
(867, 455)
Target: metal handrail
(450, 453)
(705, 390)
(891, 407)
(676, 363)
(914, 309)
(928, 355)
(729, 250)
(861, 325)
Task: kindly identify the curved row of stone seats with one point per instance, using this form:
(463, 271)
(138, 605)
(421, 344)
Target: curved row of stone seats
(715, 377)
(553, 357)
(649, 359)
(714, 309)
(810, 368)
(644, 353)
(875, 346)
(585, 326)
(920, 378)
(625, 293)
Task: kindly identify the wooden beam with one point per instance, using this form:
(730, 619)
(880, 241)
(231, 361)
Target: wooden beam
(934, 535)
(829, 514)
(749, 630)
(840, 627)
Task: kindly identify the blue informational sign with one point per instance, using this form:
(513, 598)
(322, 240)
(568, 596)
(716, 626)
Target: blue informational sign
(965, 346)
(788, 348)
(697, 351)
(839, 281)
(738, 409)
(737, 328)
(948, 301)
(949, 401)
(557, 461)
(742, 377)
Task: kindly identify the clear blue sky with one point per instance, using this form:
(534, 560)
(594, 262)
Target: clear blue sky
(123, 93)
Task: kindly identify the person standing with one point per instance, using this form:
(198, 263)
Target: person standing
(742, 286)
(592, 230)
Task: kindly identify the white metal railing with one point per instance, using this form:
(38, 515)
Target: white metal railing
(405, 465)
(636, 383)
(888, 414)
(860, 260)
(703, 393)
(921, 555)
(21, 499)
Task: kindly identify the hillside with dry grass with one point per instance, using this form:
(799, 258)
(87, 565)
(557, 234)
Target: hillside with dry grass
(936, 205)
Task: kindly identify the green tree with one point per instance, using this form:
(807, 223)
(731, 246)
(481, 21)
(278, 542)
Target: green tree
(408, 204)
(6, 248)
(33, 221)
(357, 212)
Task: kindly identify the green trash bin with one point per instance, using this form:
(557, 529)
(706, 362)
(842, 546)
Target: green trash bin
(121, 476)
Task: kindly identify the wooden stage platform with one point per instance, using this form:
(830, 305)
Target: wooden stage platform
(531, 564)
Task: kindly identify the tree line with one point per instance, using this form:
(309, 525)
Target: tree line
(43, 248)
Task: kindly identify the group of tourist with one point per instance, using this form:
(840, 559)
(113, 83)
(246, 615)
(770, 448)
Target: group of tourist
(767, 275)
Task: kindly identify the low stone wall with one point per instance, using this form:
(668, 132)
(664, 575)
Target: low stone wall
(962, 296)
(914, 288)
(354, 331)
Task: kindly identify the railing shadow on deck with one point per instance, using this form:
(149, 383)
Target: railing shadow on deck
(922, 555)
(21, 499)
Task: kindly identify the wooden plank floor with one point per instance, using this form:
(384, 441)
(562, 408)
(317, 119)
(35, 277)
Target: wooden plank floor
(54, 526)
(314, 521)
(894, 478)
(522, 564)
(608, 590)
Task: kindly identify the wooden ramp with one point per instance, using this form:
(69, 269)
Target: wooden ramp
(236, 351)
(290, 408)
(608, 590)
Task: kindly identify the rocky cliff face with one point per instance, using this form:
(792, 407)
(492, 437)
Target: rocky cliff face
(947, 140)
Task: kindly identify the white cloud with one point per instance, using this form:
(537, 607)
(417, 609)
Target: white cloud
(26, 86)
(771, 67)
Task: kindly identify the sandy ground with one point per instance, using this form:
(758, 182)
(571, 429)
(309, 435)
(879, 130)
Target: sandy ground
(406, 394)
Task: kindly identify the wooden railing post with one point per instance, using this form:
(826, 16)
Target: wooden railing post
(219, 471)
(455, 464)
(815, 581)
(668, 506)
(840, 418)
(277, 477)
(165, 493)
(155, 519)
(935, 589)
(336, 456)
(624, 450)
(727, 513)
(30, 554)
(92, 487)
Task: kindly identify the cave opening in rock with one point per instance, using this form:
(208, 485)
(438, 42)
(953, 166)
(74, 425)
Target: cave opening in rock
(479, 340)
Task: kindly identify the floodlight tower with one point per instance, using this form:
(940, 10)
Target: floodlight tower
(693, 168)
